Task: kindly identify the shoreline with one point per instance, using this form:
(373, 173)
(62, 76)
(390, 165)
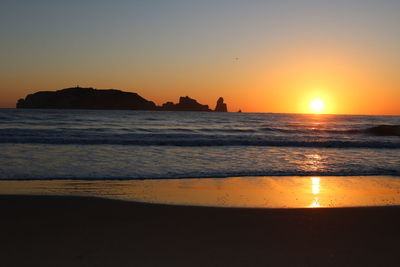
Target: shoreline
(89, 231)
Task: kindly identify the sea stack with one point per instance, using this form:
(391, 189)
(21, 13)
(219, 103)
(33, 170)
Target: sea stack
(221, 106)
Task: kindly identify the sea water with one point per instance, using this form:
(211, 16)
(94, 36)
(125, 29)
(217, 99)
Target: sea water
(127, 145)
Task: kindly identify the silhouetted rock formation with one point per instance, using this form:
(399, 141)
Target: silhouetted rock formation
(86, 98)
(185, 104)
(89, 98)
(221, 106)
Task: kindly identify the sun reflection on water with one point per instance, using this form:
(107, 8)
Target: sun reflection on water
(313, 162)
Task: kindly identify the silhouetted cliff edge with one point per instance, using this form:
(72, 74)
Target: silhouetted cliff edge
(86, 98)
(90, 98)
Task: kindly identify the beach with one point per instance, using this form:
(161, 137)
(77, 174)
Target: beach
(200, 133)
(83, 231)
(222, 189)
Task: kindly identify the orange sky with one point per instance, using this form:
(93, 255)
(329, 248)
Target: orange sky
(347, 82)
(276, 58)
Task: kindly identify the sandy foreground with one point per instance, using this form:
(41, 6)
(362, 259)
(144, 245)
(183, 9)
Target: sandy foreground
(79, 231)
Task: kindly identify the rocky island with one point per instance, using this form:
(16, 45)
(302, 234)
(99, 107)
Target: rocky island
(90, 98)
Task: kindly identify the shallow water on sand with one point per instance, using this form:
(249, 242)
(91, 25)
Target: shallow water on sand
(255, 192)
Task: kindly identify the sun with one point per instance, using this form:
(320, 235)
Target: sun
(317, 106)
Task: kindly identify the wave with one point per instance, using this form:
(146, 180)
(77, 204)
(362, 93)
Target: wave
(227, 174)
(379, 130)
(192, 142)
(384, 130)
(380, 136)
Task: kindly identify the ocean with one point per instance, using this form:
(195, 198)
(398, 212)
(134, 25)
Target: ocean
(129, 145)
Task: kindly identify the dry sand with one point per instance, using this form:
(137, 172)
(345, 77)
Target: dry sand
(77, 231)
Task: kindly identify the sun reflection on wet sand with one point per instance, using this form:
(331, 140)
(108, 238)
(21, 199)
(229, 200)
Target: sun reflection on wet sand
(315, 184)
(315, 181)
(266, 192)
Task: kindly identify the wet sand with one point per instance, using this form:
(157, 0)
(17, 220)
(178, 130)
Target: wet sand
(234, 192)
(82, 231)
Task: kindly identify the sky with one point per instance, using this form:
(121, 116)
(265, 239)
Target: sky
(261, 56)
